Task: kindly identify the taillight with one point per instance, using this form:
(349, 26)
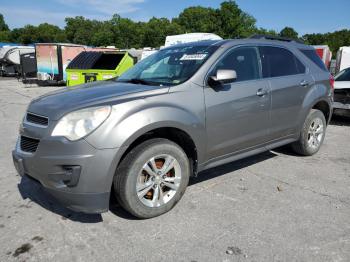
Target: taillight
(331, 81)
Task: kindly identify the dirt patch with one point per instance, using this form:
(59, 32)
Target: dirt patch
(37, 238)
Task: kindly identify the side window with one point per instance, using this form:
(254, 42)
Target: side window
(244, 60)
(279, 62)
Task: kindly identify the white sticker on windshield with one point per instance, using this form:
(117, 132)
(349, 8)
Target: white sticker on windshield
(193, 57)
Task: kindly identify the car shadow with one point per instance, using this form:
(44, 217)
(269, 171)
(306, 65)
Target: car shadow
(31, 189)
(117, 210)
(231, 167)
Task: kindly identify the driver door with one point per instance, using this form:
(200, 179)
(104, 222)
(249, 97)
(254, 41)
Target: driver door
(237, 113)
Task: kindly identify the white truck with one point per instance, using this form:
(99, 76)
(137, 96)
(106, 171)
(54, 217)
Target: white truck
(343, 58)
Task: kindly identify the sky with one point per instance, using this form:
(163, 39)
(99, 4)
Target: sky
(305, 16)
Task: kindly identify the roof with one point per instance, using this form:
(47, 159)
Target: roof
(242, 41)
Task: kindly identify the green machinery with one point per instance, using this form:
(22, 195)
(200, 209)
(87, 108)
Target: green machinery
(92, 66)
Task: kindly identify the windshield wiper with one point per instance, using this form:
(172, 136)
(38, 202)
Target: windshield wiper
(139, 81)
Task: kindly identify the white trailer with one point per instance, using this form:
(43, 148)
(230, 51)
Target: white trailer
(188, 38)
(10, 58)
(343, 58)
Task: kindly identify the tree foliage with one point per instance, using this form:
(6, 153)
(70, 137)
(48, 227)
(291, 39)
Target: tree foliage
(333, 40)
(228, 21)
(289, 32)
(3, 25)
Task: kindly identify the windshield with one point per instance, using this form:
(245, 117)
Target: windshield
(171, 66)
(343, 75)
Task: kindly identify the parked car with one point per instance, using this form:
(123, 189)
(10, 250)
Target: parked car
(342, 90)
(182, 110)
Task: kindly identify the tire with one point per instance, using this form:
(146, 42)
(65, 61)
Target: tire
(132, 173)
(310, 139)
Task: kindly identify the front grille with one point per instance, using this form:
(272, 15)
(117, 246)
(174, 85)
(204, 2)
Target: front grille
(36, 119)
(29, 144)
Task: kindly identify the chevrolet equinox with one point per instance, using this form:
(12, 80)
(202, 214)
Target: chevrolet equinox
(180, 111)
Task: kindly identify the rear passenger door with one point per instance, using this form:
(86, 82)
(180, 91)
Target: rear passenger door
(289, 83)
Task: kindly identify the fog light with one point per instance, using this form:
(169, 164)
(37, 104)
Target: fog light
(68, 176)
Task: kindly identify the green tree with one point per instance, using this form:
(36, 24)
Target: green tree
(263, 31)
(229, 21)
(5, 36)
(127, 33)
(334, 40)
(156, 30)
(38, 34)
(3, 25)
(199, 19)
(289, 32)
(104, 36)
(80, 30)
(235, 23)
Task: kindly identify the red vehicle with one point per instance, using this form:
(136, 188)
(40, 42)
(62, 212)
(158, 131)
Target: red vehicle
(324, 53)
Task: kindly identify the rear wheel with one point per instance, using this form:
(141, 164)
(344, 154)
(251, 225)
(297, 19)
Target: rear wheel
(152, 178)
(312, 134)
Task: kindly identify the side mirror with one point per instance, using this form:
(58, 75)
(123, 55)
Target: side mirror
(224, 76)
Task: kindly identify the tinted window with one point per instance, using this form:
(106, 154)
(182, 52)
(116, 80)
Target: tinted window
(244, 61)
(313, 56)
(279, 62)
(343, 75)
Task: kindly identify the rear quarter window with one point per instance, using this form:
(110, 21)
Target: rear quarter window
(278, 62)
(313, 56)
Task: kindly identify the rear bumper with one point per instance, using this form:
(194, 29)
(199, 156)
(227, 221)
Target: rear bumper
(76, 174)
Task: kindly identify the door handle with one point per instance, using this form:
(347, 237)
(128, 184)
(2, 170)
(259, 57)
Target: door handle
(261, 92)
(304, 83)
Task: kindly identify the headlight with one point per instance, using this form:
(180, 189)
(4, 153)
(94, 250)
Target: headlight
(80, 123)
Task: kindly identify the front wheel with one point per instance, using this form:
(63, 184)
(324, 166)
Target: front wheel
(152, 178)
(312, 134)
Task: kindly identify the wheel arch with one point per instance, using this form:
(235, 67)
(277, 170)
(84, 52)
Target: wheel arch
(324, 107)
(172, 133)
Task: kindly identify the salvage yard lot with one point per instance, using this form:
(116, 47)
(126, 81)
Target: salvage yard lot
(272, 207)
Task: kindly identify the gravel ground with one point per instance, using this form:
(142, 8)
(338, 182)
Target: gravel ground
(272, 207)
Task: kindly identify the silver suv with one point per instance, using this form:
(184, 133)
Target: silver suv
(185, 109)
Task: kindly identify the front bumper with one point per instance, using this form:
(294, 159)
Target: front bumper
(75, 173)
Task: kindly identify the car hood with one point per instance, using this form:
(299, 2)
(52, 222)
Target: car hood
(342, 84)
(56, 104)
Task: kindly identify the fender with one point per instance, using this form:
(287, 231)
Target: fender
(317, 93)
(129, 121)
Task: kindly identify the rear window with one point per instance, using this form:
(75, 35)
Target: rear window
(313, 56)
(278, 62)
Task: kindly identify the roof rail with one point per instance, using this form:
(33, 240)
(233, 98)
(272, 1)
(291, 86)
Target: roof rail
(278, 38)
